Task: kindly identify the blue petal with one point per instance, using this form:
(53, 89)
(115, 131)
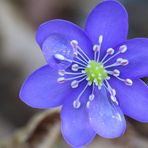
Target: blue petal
(133, 99)
(57, 44)
(41, 89)
(56, 35)
(75, 124)
(137, 55)
(105, 117)
(109, 19)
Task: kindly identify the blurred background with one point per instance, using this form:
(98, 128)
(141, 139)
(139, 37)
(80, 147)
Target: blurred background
(20, 55)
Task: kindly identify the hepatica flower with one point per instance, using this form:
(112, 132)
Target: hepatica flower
(94, 74)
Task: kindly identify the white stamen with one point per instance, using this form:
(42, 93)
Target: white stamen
(123, 49)
(61, 72)
(75, 54)
(76, 47)
(84, 53)
(91, 97)
(59, 57)
(124, 62)
(100, 44)
(76, 77)
(100, 39)
(75, 67)
(116, 73)
(82, 64)
(61, 80)
(113, 92)
(74, 43)
(128, 82)
(96, 48)
(110, 51)
(74, 84)
(114, 99)
(119, 60)
(76, 104)
(111, 57)
(82, 60)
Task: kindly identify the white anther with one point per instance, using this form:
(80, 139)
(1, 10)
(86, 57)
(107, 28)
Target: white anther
(100, 39)
(61, 80)
(59, 57)
(119, 60)
(76, 104)
(91, 97)
(124, 62)
(75, 53)
(74, 84)
(114, 99)
(128, 82)
(88, 104)
(74, 43)
(96, 48)
(123, 49)
(116, 73)
(61, 72)
(113, 92)
(75, 67)
(110, 51)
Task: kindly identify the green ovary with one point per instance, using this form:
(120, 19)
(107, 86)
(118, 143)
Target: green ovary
(96, 72)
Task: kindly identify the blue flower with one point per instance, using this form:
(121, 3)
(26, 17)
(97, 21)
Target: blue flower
(94, 74)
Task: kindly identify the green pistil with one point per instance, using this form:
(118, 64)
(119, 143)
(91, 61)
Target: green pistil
(96, 72)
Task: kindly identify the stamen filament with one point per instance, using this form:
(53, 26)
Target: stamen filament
(111, 57)
(73, 78)
(83, 57)
(79, 96)
(83, 53)
(84, 62)
(112, 65)
(79, 63)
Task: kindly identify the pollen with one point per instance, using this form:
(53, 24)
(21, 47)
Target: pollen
(96, 73)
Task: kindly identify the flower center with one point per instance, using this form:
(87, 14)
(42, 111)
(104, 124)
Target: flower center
(96, 73)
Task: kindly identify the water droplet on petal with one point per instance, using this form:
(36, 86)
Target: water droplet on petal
(57, 51)
(106, 118)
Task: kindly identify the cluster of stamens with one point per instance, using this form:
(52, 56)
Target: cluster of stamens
(95, 72)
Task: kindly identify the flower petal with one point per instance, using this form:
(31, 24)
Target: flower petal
(109, 19)
(75, 124)
(41, 89)
(54, 47)
(105, 117)
(54, 37)
(133, 99)
(137, 55)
